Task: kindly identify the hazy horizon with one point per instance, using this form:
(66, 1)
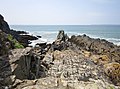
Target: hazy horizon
(61, 12)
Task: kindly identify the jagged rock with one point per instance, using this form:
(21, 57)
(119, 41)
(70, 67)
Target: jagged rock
(42, 45)
(23, 39)
(97, 46)
(5, 43)
(5, 72)
(26, 66)
(16, 54)
(39, 36)
(61, 42)
(76, 71)
(62, 36)
(66, 64)
(3, 25)
(93, 45)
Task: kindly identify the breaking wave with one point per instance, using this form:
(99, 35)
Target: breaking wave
(50, 36)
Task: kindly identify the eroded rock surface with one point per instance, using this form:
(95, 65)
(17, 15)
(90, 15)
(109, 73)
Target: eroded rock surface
(97, 46)
(79, 62)
(72, 67)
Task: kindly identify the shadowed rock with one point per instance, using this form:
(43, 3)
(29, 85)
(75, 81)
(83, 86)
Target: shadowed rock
(23, 39)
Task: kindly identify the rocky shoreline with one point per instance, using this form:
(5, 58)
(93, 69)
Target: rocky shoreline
(79, 62)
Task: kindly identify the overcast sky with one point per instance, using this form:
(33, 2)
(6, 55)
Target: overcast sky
(61, 12)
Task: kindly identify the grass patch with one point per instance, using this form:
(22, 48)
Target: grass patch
(15, 42)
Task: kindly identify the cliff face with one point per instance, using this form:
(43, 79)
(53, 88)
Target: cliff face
(4, 25)
(7, 38)
(5, 43)
(23, 39)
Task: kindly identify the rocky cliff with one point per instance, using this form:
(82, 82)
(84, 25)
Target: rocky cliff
(23, 39)
(79, 62)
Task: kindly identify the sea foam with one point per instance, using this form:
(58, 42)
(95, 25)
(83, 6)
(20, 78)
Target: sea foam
(49, 37)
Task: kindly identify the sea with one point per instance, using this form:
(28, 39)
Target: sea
(49, 33)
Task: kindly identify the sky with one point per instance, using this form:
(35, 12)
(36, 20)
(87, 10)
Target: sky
(60, 12)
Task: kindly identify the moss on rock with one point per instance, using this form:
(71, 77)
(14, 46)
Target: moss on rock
(15, 42)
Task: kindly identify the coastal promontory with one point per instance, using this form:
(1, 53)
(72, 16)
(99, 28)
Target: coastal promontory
(76, 62)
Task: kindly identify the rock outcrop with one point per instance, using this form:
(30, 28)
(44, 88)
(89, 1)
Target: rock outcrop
(23, 39)
(73, 67)
(8, 67)
(97, 46)
(61, 42)
(5, 43)
(79, 62)
(66, 69)
(3, 25)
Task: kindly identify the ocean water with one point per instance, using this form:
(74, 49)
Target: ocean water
(49, 32)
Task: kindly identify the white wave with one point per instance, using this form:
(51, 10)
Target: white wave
(50, 36)
(114, 41)
(40, 40)
(44, 32)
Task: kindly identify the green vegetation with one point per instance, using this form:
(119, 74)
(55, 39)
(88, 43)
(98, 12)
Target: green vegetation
(15, 42)
(110, 87)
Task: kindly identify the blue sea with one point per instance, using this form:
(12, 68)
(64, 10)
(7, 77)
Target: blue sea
(49, 32)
